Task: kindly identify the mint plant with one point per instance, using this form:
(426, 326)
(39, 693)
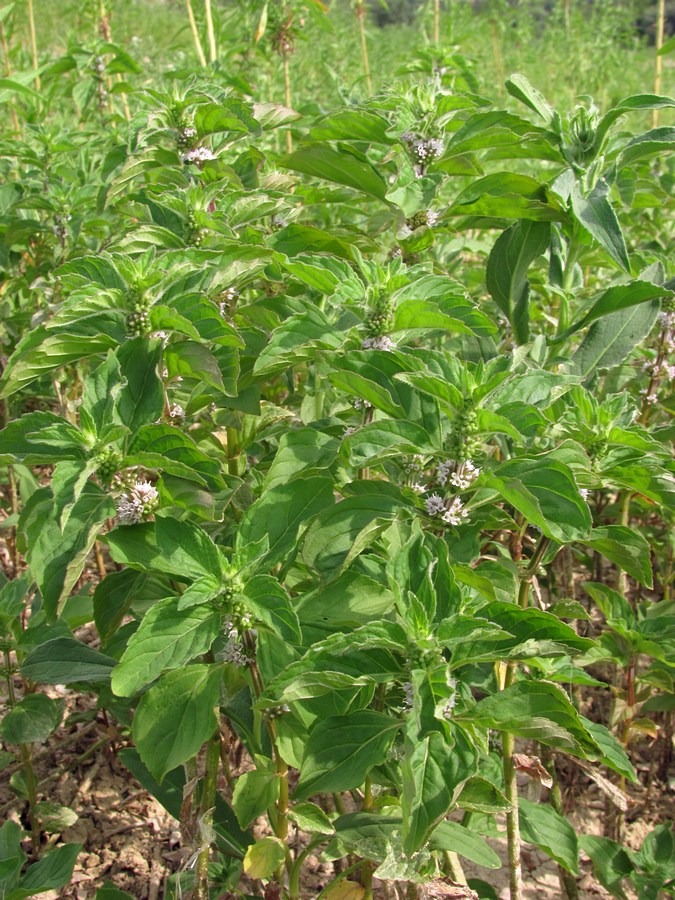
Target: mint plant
(332, 423)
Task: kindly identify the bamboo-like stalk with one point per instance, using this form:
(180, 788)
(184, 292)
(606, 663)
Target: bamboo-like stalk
(287, 99)
(437, 21)
(658, 70)
(213, 53)
(33, 43)
(106, 34)
(8, 70)
(361, 16)
(195, 34)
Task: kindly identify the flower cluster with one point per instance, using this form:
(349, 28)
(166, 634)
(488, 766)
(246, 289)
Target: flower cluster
(137, 504)
(199, 156)
(453, 514)
(460, 475)
(378, 343)
(362, 404)
(424, 217)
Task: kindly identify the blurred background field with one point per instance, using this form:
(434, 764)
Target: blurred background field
(567, 48)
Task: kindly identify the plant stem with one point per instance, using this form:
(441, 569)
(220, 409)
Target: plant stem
(195, 34)
(366, 865)
(287, 99)
(33, 43)
(208, 802)
(437, 21)
(624, 519)
(568, 883)
(508, 741)
(361, 16)
(658, 70)
(27, 764)
(232, 450)
(213, 54)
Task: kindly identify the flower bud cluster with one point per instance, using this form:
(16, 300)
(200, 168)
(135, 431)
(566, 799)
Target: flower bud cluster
(452, 514)
(138, 320)
(425, 217)
(274, 712)
(194, 234)
(109, 463)
(379, 321)
(462, 441)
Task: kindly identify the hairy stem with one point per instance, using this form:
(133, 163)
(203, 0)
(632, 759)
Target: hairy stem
(27, 765)
(206, 806)
(568, 883)
(508, 741)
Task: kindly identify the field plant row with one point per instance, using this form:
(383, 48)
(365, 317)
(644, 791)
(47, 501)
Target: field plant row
(342, 440)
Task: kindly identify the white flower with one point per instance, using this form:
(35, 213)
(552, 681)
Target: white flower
(456, 512)
(432, 218)
(584, 493)
(434, 505)
(419, 488)
(137, 504)
(199, 155)
(408, 692)
(378, 343)
(177, 411)
(348, 431)
(362, 404)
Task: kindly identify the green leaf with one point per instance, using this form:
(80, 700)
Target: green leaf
(66, 660)
(254, 793)
(349, 124)
(341, 750)
(507, 195)
(188, 359)
(264, 857)
(44, 352)
(480, 795)
(627, 548)
(280, 513)
(38, 438)
(520, 88)
(612, 754)
(339, 533)
(341, 165)
(545, 492)
(270, 604)
(33, 718)
(622, 296)
(596, 214)
(434, 770)
(141, 400)
(230, 115)
(56, 557)
(542, 826)
(506, 272)
(310, 817)
(458, 839)
(186, 548)
(611, 863)
(538, 710)
(176, 716)
(166, 638)
(610, 340)
(303, 448)
(50, 873)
